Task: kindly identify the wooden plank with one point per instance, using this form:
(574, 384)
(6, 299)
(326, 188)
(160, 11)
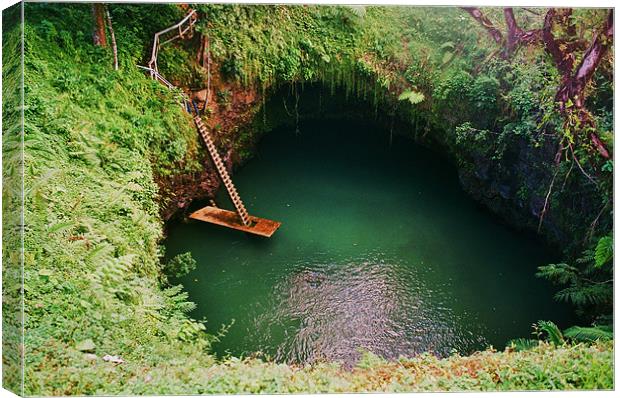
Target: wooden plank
(230, 219)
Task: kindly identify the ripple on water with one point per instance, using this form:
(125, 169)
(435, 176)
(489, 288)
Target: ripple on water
(334, 311)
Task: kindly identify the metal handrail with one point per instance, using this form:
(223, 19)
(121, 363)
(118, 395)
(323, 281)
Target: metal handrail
(185, 100)
(159, 77)
(191, 16)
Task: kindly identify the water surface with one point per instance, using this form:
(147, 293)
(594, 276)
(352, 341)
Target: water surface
(379, 250)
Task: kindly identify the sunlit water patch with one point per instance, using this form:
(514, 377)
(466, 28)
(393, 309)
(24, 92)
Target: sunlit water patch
(333, 311)
(379, 250)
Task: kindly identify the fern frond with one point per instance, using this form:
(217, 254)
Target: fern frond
(604, 251)
(413, 97)
(554, 334)
(589, 334)
(60, 227)
(360, 11)
(176, 300)
(99, 253)
(589, 294)
(587, 257)
(558, 273)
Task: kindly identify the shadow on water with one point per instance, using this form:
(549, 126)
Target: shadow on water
(379, 250)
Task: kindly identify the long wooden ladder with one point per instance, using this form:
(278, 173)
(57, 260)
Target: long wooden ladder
(222, 172)
(240, 219)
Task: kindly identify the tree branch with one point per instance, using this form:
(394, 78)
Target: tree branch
(546, 205)
(514, 31)
(563, 61)
(571, 93)
(593, 56)
(574, 87)
(485, 22)
(531, 11)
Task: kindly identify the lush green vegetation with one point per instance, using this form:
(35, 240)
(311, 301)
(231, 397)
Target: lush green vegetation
(11, 200)
(436, 68)
(426, 67)
(545, 367)
(96, 138)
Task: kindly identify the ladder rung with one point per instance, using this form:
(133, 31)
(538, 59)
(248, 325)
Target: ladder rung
(223, 172)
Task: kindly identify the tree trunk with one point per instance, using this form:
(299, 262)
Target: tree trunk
(112, 39)
(99, 38)
(514, 32)
(514, 35)
(572, 91)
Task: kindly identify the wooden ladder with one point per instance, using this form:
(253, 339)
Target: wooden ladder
(222, 172)
(239, 219)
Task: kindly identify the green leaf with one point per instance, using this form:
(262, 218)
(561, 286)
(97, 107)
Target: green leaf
(554, 334)
(61, 227)
(589, 334)
(586, 295)
(360, 11)
(447, 44)
(447, 57)
(558, 273)
(412, 96)
(604, 251)
(85, 345)
(180, 265)
(522, 344)
(45, 274)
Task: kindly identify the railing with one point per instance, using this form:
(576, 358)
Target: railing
(190, 19)
(185, 100)
(157, 76)
(187, 104)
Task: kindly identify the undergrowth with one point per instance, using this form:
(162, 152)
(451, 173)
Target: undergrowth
(545, 367)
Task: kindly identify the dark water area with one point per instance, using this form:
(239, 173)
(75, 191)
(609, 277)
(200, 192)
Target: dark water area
(379, 250)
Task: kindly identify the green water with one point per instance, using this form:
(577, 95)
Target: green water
(379, 249)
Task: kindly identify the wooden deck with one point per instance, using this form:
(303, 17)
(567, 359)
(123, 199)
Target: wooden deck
(230, 219)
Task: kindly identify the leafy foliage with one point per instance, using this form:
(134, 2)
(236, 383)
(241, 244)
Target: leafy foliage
(94, 140)
(522, 344)
(589, 334)
(590, 285)
(604, 251)
(412, 96)
(553, 333)
(585, 294)
(180, 265)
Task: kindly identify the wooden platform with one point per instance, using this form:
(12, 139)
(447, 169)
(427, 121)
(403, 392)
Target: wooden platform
(230, 219)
